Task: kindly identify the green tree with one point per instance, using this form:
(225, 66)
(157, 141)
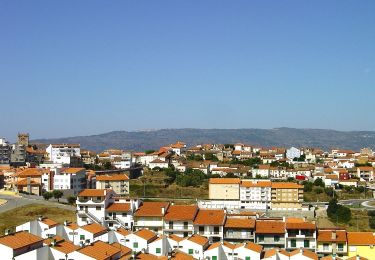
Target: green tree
(319, 182)
(329, 191)
(371, 222)
(211, 157)
(71, 200)
(318, 190)
(107, 165)
(307, 187)
(57, 194)
(47, 195)
(338, 212)
(149, 151)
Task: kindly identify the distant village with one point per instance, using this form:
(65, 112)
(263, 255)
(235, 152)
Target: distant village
(255, 207)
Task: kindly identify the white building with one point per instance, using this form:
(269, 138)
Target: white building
(292, 153)
(42, 227)
(70, 179)
(62, 153)
(255, 194)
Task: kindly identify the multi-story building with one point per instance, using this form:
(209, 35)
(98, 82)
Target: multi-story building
(210, 223)
(255, 194)
(332, 241)
(270, 233)
(286, 196)
(239, 229)
(179, 220)
(151, 215)
(4, 151)
(300, 234)
(70, 180)
(29, 180)
(91, 205)
(65, 154)
(119, 183)
(224, 188)
(106, 208)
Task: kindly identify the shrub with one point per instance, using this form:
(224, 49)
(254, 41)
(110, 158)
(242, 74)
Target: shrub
(318, 190)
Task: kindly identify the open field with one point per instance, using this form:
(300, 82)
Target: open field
(11, 218)
(358, 222)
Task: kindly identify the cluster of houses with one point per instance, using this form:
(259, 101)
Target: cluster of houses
(113, 227)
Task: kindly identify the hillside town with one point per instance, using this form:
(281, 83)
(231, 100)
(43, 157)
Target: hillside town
(255, 208)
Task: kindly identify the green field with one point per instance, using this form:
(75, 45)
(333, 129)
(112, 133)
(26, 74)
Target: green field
(12, 218)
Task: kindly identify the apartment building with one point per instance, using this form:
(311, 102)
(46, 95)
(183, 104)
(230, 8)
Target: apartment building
(270, 233)
(5, 151)
(239, 229)
(286, 196)
(70, 180)
(179, 220)
(63, 153)
(224, 188)
(119, 183)
(255, 194)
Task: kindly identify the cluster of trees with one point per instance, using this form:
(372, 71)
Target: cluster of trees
(58, 194)
(282, 164)
(318, 187)
(371, 221)
(198, 157)
(248, 162)
(190, 177)
(338, 213)
(302, 158)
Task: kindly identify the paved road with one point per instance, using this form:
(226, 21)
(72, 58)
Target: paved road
(15, 202)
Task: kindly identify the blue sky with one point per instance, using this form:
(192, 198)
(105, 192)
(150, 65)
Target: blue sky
(84, 67)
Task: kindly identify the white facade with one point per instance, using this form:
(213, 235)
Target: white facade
(62, 153)
(292, 153)
(70, 181)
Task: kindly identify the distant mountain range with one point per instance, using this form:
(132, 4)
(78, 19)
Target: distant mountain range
(284, 137)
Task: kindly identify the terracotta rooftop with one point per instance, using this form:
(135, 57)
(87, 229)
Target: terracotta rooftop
(93, 193)
(112, 177)
(214, 217)
(250, 184)
(224, 181)
(270, 227)
(200, 240)
(49, 222)
(19, 240)
(151, 209)
(181, 212)
(254, 247)
(119, 207)
(327, 236)
(146, 234)
(123, 231)
(100, 250)
(176, 238)
(361, 238)
(72, 170)
(240, 223)
(286, 185)
(305, 252)
(95, 229)
(65, 247)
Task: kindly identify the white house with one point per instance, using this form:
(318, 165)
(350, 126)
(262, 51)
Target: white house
(179, 220)
(195, 246)
(140, 240)
(210, 223)
(20, 245)
(159, 246)
(248, 250)
(42, 227)
(90, 233)
(215, 252)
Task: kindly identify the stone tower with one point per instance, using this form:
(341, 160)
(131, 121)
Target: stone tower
(23, 139)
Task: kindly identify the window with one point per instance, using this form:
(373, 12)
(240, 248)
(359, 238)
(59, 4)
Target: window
(135, 244)
(261, 238)
(340, 247)
(247, 258)
(201, 229)
(214, 257)
(158, 250)
(306, 243)
(293, 243)
(216, 230)
(124, 214)
(276, 238)
(82, 237)
(191, 251)
(98, 208)
(325, 247)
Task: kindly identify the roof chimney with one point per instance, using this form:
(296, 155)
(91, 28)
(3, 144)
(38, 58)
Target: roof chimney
(333, 235)
(65, 223)
(163, 210)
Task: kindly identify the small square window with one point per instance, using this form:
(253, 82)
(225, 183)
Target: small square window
(158, 250)
(135, 244)
(191, 251)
